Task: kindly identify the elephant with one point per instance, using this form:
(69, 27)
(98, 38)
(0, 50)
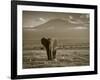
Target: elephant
(50, 46)
(46, 43)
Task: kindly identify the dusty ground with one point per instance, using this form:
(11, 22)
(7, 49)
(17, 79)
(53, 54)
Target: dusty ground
(38, 58)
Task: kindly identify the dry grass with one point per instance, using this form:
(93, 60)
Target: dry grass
(38, 58)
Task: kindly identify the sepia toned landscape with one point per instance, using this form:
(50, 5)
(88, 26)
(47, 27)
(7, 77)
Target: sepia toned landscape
(71, 30)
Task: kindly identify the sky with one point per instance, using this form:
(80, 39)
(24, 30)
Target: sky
(34, 18)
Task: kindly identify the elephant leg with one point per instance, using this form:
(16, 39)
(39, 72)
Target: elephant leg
(50, 56)
(54, 54)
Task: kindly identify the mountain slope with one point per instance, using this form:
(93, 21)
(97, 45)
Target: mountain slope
(58, 28)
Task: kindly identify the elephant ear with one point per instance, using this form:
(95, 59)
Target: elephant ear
(43, 41)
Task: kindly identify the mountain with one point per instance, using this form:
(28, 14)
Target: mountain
(58, 28)
(55, 23)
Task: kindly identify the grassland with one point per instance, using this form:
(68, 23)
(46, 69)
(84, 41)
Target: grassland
(65, 57)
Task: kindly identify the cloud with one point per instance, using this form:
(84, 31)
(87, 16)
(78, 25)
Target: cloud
(70, 17)
(78, 28)
(82, 19)
(84, 16)
(75, 21)
(30, 29)
(42, 19)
